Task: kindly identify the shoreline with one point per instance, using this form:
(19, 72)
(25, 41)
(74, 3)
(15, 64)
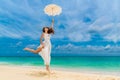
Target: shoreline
(76, 70)
(35, 73)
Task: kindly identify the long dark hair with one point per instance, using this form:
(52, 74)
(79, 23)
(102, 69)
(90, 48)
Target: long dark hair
(50, 30)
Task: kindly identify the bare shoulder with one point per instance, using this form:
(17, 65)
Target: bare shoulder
(42, 34)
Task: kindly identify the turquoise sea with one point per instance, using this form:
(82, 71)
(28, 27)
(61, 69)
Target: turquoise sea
(111, 63)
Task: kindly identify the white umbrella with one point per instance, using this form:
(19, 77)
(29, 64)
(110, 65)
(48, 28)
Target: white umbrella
(52, 10)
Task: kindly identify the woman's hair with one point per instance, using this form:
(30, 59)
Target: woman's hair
(50, 30)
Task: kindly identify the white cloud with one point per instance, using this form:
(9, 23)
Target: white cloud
(107, 46)
(71, 48)
(107, 29)
(4, 31)
(32, 46)
(19, 43)
(26, 18)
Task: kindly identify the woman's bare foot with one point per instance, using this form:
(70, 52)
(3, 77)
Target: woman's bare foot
(48, 69)
(27, 49)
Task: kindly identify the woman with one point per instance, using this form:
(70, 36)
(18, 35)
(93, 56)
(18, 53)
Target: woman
(44, 49)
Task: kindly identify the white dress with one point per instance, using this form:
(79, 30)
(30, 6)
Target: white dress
(46, 51)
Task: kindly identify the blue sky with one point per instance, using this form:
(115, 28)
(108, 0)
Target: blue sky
(85, 27)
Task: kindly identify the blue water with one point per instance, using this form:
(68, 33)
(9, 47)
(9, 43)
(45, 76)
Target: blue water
(106, 63)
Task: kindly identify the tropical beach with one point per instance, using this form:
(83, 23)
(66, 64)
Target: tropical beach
(84, 68)
(33, 73)
(59, 40)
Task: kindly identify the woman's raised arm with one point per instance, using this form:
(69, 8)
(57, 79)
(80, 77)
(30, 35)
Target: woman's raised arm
(52, 24)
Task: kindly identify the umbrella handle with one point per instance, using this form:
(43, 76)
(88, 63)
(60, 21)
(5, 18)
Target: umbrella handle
(52, 14)
(52, 18)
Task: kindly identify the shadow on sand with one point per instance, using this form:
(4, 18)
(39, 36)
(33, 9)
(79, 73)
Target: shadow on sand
(38, 74)
(41, 74)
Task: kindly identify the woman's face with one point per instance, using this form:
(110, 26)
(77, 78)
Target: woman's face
(46, 29)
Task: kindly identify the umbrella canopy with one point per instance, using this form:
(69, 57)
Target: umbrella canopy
(52, 10)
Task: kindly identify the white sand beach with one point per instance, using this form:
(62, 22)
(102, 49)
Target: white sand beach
(10, 72)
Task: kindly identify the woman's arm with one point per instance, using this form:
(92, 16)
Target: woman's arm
(52, 24)
(41, 38)
(51, 29)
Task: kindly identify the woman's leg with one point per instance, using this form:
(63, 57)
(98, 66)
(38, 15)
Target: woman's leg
(48, 68)
(34, 51)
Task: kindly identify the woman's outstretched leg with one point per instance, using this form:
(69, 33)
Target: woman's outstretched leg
(34, 51)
